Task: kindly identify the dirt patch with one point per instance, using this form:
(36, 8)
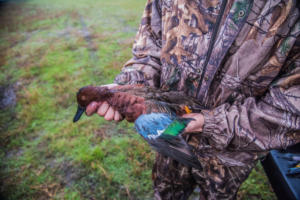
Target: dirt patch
(109, 130)
(87, 35)
(70, 173)
(7, 96)
(14, 15)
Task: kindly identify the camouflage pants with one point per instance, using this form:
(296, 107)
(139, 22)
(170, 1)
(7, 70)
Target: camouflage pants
(174, 181)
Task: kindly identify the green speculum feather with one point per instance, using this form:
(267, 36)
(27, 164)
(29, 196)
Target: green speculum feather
(174, 129)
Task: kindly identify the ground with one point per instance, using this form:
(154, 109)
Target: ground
(48, 50)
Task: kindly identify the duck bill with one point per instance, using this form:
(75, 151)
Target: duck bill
(78, 114)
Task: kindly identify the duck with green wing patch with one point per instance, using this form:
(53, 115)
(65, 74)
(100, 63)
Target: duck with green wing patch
(163, 132)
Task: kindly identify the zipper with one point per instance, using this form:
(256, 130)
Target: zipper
(211, 43)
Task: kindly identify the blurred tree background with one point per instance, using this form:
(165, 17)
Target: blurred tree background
(49, 49)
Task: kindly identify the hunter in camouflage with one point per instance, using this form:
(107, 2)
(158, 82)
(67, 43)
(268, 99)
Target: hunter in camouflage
(248, 79)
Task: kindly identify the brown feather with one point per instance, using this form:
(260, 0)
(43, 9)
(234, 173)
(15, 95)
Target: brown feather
(133, 100)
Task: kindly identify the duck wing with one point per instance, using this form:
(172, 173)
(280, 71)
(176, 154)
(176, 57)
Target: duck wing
(176, 148)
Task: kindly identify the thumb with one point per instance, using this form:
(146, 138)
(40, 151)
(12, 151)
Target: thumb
(195, 125)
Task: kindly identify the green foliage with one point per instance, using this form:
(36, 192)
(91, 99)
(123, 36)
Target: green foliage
(256, 186)
(49, 49)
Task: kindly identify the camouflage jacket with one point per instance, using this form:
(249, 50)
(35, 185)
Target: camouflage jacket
(249, 82)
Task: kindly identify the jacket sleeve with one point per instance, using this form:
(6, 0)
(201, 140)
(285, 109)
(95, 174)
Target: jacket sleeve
(144, 66)
(260, 124)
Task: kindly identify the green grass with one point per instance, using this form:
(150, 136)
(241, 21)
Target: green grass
(46, 55)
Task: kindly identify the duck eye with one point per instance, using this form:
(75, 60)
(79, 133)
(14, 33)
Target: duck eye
(83, 98)
(241, 13)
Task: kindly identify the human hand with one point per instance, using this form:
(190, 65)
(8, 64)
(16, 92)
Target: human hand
(195, 125)
(103, 109)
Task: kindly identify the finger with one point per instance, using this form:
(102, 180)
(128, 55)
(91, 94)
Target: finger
(110, 85)
(103, 108)
(117, 116)
(190, 115)
(109, 114)
(92, 108)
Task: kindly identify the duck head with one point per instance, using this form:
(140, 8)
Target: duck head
(88, 94)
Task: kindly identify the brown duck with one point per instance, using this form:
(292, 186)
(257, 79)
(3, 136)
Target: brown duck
(156, 114)
(133, 100)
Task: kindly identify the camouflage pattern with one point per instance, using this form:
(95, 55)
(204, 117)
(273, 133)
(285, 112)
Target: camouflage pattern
(173, 180)
(251, 86)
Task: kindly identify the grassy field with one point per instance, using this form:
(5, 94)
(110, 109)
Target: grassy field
(49, 49)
